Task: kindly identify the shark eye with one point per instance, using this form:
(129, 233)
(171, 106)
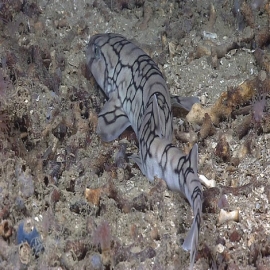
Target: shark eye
(97, 51)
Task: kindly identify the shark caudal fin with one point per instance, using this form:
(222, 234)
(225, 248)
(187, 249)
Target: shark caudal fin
(192, 238)
(194, 196)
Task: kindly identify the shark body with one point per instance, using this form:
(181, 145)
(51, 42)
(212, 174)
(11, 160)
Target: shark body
(138, 96)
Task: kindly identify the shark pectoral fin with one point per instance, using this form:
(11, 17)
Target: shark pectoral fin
(112, 120)
(184, 102)
(138, 161)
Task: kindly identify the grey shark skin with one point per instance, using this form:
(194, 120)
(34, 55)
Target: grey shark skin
(138, 96)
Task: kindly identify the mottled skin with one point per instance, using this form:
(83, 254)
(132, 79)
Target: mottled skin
(123, 70)
(138, 96)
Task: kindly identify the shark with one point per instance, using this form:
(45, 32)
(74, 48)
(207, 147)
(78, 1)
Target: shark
(138, 96)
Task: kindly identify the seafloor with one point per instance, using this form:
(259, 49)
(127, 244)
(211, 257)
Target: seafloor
(70, 201)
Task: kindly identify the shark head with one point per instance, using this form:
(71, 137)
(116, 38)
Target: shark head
(95, 60)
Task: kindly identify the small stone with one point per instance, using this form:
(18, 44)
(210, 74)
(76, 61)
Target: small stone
(25, 252)
(220, 248)
(235, 236)
(155, 234)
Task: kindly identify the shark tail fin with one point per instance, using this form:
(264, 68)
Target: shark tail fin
(192, 238)
(195, 199)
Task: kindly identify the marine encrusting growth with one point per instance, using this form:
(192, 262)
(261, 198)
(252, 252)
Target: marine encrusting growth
(138, 96)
